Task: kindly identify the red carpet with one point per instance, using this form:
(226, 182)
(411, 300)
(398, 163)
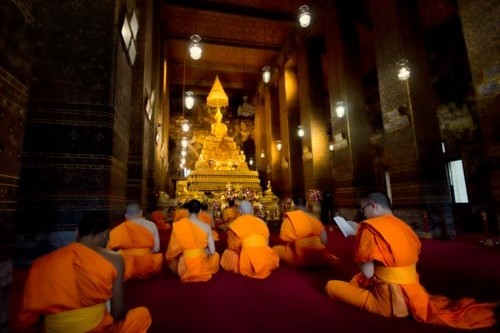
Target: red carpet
(292, 300)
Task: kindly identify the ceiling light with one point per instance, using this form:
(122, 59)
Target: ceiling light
(279, 145)
(185, 125)
(266, 74)
(340, 109)
(195, 48)
(189, 100)
(403, 69)
(300, 131)
(304, 16)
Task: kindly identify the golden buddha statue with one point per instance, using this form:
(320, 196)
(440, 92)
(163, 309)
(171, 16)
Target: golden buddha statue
(219, 129)
(220, 160)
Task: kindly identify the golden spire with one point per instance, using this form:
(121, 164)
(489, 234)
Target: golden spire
(217, 97)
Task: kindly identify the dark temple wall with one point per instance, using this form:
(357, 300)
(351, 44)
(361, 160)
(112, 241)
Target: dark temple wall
(15, 47)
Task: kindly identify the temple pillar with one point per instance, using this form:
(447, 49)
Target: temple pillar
(264, 135)
(314, 115)
(291, 153)
(77, 144)
(260, 139)
(15, 70)
(412, 143)
(481, 30)
(276, 155)
(142, 121)
(352, 161)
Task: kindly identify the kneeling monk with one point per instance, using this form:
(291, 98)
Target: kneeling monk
(191, 249)
(248, 251)
(138, 242)
(386, 250)
(158, 217)
(306, 238)
(70, 287)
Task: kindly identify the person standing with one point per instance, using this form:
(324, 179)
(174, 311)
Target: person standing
(191, 249)
(70, 287)
(305, 238)
(386, 250)
(248, 251)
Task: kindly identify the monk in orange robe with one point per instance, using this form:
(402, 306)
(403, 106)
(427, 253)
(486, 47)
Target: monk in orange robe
(138, 242)
(69, 287)
(158, 217)
(248, 251)
(191, 249)
(229, 214)
(181, 212)
(387, 250)
(306, 238)
(204, 216)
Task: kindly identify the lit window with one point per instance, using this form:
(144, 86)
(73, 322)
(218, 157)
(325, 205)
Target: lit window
(457, 181)
(129, 35)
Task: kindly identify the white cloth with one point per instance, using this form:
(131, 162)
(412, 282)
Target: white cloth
(205, 227)
(151, 227)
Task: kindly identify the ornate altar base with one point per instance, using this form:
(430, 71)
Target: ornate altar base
(216, 181)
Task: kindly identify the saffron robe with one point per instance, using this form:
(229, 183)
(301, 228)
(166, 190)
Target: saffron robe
(248, 252)
(158, 217)
(230, 214)
(134, 242)
(180, 213)
(395, 290)
(188, 244)
(75, 277)
(302, 232)
(207, 218)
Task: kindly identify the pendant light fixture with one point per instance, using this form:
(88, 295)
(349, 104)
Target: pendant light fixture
(300, 131)
(189, 99)
(266, 74)
(195, 49)
(304, 16)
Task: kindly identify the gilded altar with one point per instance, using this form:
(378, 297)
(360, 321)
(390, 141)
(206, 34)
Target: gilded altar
(220, 161)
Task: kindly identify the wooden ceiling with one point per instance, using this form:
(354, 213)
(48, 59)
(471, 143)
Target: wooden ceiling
(239, 37)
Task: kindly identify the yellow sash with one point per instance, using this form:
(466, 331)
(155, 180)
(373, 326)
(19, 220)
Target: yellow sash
(135, 252)
(313, 240)
(397, 275)
(254, 241)
(193, 253)
(75, 321)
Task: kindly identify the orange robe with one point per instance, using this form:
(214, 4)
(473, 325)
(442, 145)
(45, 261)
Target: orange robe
(135, 242)
(230, 214)
(180, 213)
(395, 290)
(302, 232)
(158, 217)
(187, 244)
(75, 277)
(205, 217)
(248, 252)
